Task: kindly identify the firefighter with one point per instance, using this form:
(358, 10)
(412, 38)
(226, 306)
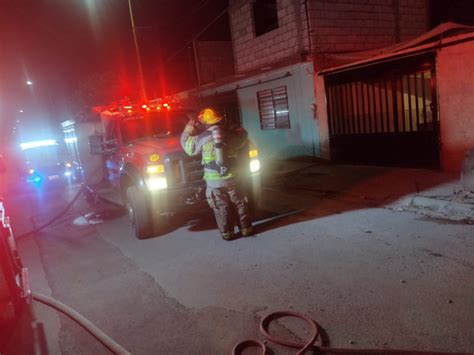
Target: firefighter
(219, 148)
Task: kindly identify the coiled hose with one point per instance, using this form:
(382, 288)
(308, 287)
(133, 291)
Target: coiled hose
(98, 334)
(309, 345)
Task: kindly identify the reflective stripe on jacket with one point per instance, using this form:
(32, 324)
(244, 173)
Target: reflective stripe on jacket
(203, 144)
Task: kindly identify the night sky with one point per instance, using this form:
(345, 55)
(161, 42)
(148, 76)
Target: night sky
(61, 44)
(58, 44)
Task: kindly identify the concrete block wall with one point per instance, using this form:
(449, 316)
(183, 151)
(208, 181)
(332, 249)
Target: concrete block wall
(335, 26)
(414, 18)
(357, 25)
(289, 39)
(216, 60)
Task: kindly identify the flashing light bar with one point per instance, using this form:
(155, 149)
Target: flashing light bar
(67, 123)
(37, 144)
(130, 108)
(70, 140)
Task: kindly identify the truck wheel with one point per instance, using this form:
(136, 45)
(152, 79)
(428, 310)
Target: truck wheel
(139, 213)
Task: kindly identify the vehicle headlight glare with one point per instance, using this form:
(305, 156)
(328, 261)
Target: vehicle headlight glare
(155, 169)
(254, 165)
(157, 183)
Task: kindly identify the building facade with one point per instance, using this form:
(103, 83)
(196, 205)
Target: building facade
(278, 46)
(297, 38)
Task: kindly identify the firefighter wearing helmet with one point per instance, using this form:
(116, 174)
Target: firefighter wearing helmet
(220, 148)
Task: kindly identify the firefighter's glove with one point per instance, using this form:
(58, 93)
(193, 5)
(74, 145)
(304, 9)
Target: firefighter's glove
(191, 126)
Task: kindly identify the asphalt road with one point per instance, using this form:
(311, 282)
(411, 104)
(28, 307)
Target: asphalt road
(371, 277)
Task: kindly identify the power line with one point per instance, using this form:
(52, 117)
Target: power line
(194, 37)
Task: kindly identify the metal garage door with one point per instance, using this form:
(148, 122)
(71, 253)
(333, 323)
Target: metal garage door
(385, 114)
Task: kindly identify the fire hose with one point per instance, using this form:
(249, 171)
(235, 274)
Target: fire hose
(116, 348)
(309, 345)
(55, 218)
(98, 334)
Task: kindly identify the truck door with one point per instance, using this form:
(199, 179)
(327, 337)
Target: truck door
(112, 152)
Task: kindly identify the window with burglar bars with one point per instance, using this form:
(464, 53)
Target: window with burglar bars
(273, 108)
(397, 104)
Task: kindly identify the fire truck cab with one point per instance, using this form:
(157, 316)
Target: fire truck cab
(144, 163)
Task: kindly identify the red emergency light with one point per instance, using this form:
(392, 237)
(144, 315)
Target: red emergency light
(129, 108)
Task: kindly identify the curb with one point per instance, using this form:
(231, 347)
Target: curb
(437, 208)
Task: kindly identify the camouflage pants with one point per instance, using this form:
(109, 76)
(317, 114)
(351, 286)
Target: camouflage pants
(228, 203)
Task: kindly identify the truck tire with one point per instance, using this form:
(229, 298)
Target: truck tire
(139, 212)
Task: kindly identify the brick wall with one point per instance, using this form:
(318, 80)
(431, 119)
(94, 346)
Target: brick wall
(336, 26)
(215, 59)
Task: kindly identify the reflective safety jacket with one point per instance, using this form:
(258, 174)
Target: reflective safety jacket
(195, 144)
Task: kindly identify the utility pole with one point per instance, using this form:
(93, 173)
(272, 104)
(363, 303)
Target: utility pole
(137, 50)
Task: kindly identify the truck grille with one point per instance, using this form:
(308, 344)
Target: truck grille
(183, 171)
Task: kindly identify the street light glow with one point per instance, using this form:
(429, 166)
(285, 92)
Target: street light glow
(29, 82)
(37, 144)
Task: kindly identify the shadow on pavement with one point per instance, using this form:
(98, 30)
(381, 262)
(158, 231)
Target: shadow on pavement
(321, 190)
(314, 191)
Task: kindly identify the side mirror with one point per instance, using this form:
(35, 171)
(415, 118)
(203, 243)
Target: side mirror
(95, 144)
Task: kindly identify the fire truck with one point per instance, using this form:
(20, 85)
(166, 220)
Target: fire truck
(20, 332)
(134, 155)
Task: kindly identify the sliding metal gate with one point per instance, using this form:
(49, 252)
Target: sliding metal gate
(385, 114)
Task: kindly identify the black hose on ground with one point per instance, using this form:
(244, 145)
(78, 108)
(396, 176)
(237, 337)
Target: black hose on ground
(98, 334)
(309, 345)
(55, 218)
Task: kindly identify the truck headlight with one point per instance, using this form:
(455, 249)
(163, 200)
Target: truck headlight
(155, 169)
(157, 183)
(254, 165)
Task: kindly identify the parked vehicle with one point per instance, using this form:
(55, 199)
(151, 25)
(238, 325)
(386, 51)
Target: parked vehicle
(45, 162)
(136, 151)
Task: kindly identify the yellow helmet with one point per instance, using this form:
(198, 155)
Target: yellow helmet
(209, 116)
